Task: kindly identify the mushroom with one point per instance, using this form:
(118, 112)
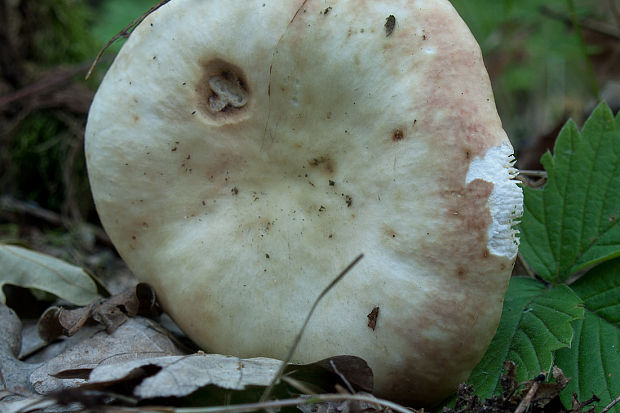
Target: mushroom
(241, 154)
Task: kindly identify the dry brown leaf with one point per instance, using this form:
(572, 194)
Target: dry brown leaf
(111, 312)
(31, 341)
(350, 372)
(13, 373)
(178, 376)
(30, 269)
(547, 391)
(137, 338)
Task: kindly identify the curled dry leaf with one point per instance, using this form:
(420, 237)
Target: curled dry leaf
(29, 269)
(111, 312)
(178, 376)
(137, 338)
(10, 339)
(13, 373)
(549, 390)
(350, 372)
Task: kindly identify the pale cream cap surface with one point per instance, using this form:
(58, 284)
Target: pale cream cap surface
(242, 153)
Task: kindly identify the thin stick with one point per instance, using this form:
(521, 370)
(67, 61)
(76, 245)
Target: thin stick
(274, 404)
(536, 174)
(530, 394)
(293, 347)
(53, 81)
(611, 405)
(588, 24)
(123, 33)
(342, 377)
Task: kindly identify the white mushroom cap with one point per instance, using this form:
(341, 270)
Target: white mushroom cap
(242, 153)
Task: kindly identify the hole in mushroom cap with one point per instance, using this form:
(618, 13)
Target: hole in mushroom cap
(223, 91)
(227, 92)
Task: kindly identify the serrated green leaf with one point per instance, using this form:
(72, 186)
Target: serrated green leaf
(29, 269)
(572, 223)
(535, 322)
(593, 361)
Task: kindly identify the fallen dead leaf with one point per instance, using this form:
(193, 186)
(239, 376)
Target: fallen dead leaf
(178, 376)
(137, 338)
(547, 391)
(25, 268)
(111, 312)
(13, 372)
(350, 372)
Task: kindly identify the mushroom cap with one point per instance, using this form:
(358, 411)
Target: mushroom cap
(241, 154)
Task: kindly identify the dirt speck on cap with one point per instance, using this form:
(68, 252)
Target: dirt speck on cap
(372, 318)
(390, 23)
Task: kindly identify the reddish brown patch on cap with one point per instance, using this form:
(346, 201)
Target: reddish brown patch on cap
(322, 162)
(398, 135)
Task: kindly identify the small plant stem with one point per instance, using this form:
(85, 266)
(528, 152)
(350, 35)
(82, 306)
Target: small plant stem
(342, 377)
(293, 347)
(275, 404)
(123, 33)
(536, 174)
(529, 396)
(611, 405)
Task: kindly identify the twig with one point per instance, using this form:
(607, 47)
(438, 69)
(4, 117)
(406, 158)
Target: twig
(611, 405)
(530, 394)
(525, 175)
(535, 174)
(275, 404)
(588, 24)
(342, 377)
(10, 204)
(300, 386)
(48, 84)
(285, 361)
(125, 32)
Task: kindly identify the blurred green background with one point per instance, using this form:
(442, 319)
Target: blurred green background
(548, 61)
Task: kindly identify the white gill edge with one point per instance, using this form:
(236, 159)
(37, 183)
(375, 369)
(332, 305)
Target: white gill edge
(506, 200)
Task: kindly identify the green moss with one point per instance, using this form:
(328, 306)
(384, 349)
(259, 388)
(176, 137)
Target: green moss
(37, 155)
(60, 31)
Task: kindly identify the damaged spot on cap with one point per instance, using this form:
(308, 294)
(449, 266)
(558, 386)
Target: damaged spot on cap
(372, 318)
(323, 162)
(223, 90)
(227, 92)
(398, 135)
(390, 23)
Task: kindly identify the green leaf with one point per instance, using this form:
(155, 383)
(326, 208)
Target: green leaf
(29, 269)
(593, 361)
(572, 223)
(535, 322)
